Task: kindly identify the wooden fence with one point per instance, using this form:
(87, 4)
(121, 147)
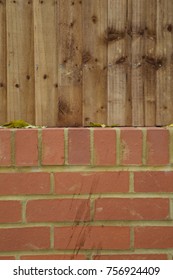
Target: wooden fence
(69, 62)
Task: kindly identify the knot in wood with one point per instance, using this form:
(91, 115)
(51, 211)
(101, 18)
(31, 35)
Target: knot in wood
(169, 27)
(94, 19)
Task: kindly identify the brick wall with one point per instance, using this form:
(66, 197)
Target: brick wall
(84, 193)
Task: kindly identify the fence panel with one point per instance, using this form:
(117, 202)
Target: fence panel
(164, 62)
(45, 56)
(136, 14)
(20, 61)
(3, 77)
(94, 61)
(116, 37)
(72, 62)
(148, 60)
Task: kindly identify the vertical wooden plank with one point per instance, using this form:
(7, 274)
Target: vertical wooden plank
(70, 63)
(137, 18)
(149, 63)
(3, 66)
(119, 111)
(20, 61)
(94, 61)
(45, 55)
(164, 62)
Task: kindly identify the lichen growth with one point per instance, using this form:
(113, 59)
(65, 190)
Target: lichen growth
(16, 124)
(19, 124)
(92, 124)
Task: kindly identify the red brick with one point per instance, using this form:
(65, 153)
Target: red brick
(7, 258)
(132, 257)
(16, 239)
(5, 148)
(92, 237)
(131, 146)
(104, 146)
(58, 210)
(24, 183)
(91, 182)
(157, 146)
(53, 257)
(26, 147)
(154, 237)
(53, 146)
(79, 146)
(131, 209)
(153, 181)
(10, 211)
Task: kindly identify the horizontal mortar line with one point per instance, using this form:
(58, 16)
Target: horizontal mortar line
(44, 224)
(80, 168)
(134, 195)
(85, 196)
(154, 251)
(58, 251)
(121, 223)
(84, 251)
(130, 251)
(42, 252)
(134, 252)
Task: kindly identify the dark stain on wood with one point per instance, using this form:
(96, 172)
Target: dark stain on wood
(112, 35)
(94, 19)
(72, 23)
(139, 32)
(86, 56)
(121, 60)
(87, 119)
(172, 58)
(150, 35)
(169, 27)
(63, 107)
(154, 62)
(45, 76)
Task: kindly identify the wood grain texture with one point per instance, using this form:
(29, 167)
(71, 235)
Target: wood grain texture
(20, 61)
(46, 61)
(136, 14)
(94, 61)
(118, 110)
(149, 63)
(70, 63)
(3, 76)
(164, 62)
